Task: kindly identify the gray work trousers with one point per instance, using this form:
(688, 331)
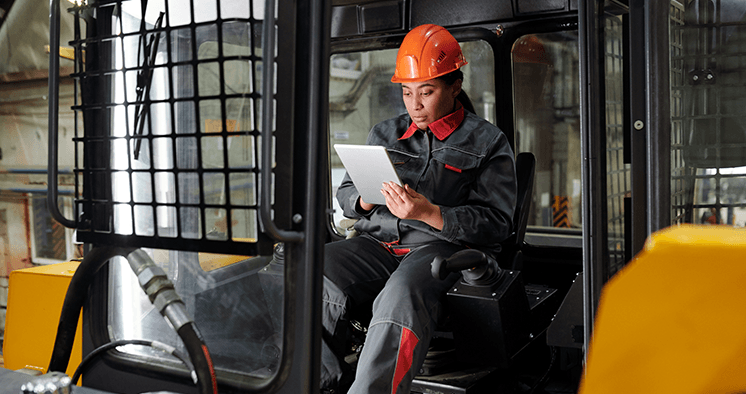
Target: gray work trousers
(406, 303)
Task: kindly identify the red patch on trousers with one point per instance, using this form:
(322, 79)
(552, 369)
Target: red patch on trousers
(400, 251)
(404, 360)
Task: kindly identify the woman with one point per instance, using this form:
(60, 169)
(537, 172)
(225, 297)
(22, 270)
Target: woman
(459, 192)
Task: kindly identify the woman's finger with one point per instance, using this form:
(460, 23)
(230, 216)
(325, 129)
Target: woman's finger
(391, 188)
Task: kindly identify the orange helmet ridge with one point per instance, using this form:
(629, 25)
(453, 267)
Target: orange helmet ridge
(427, 52)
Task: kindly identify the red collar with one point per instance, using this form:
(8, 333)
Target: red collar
(442, 127)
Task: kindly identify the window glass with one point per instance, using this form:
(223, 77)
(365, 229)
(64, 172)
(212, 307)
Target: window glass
(188, 171)
(234, 300)
(618, 183)
(361, 94)
(547, 123)
(50, 242)
(708, 129)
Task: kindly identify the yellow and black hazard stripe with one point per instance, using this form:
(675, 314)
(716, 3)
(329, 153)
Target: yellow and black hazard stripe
(560, 211)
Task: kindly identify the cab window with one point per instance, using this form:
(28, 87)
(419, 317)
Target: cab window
(708, 158)
(192, 176)
(547, 122)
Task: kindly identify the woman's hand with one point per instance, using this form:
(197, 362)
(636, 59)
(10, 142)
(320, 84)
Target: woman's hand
(405, 203)
(364, 205)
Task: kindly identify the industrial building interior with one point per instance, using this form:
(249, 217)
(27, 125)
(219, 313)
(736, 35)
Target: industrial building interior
(642, 146)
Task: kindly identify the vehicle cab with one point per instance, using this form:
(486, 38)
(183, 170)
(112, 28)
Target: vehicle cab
(204, 155)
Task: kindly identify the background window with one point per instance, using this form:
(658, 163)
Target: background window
(50, 242)
(547, 123)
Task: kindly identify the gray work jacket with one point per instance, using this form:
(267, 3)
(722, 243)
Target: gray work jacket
(470, 175)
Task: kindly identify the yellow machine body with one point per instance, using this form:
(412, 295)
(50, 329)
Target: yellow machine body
(35, 298)
(673, 320)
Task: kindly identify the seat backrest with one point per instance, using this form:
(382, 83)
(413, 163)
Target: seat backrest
(525, 166)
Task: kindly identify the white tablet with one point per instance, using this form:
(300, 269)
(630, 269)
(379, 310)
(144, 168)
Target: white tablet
(369, 166)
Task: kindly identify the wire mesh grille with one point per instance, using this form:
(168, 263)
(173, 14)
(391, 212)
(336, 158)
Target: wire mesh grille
(680, 175)
(618, 173)
(170, 93)
(708, 63)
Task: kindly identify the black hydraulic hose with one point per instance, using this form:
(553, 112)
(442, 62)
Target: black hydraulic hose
(160, 291)
(162, 294)
(200, 356)
(77, 292)
(111, 345)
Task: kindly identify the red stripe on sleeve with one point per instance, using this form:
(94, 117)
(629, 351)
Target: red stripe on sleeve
(404, 359)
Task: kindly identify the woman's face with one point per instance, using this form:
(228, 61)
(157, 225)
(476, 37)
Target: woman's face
(430, 100)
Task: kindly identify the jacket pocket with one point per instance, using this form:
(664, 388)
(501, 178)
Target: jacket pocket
(404, 162)
(453, 174)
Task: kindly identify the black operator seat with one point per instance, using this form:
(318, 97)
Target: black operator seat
(511, 256)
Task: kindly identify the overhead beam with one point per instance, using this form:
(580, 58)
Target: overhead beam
(32, 75)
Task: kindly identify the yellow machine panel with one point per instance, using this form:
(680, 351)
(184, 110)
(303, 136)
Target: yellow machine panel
(674, 319)
(35, 297)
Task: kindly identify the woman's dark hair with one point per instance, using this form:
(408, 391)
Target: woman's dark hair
(450, 79)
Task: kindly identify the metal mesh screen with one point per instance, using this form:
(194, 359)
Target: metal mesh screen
(680, 175)
(618, 173)
(170, 97)
(708, 63)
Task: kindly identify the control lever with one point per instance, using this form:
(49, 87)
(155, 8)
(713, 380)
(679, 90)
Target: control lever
(477, 268)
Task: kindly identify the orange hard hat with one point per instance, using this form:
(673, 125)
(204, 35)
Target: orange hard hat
(427, 52)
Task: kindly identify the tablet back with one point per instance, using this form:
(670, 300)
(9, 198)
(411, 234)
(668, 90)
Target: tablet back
(369, 166)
